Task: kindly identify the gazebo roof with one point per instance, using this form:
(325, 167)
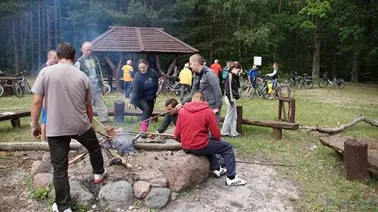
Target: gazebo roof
(140, 40)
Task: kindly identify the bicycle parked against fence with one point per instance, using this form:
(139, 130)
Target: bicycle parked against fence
(20, 85)
(336, 82)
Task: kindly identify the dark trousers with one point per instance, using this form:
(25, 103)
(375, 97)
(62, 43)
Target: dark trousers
(147, 106)
(183, 88)
(224, 149)
(127, 87)
(59, 148)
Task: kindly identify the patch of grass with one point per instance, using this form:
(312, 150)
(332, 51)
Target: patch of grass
(80, 208)
(318, 173)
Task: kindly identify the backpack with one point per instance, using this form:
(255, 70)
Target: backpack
(224, 73)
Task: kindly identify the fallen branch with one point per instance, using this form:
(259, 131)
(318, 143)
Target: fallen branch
(264, 164)
(34, 146)
(339, 129)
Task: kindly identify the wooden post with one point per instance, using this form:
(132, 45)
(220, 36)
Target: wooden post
(119, 111)
(239, 120)
(355, 159)
(16, 123)
(291, 111)
(277, 133)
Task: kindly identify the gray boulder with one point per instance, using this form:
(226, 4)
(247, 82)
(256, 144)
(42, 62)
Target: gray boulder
(80, 194)
(158, 198)
(116, 194)
(40, 167)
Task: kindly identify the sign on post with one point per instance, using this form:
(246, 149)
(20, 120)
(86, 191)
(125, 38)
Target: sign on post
(257, 60)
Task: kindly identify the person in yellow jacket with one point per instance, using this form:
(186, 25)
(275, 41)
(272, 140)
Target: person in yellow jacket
(185, 80)
(127, 78)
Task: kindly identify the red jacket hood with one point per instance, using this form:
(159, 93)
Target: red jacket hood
(193, 107)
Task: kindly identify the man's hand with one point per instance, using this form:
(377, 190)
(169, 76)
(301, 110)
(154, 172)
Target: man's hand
(129, 105)
(36, 131)
(110, 131)
(179, 106)
(216, 110)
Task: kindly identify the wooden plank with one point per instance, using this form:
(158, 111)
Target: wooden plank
(267, 123)
(15, 116)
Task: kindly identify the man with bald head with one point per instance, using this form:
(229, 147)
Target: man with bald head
(52, 59)
(90, 65)
(207, 82)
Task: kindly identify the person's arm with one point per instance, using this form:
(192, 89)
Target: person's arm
(90, 112)
(136, 91)
(166, 122)
(272, 74)
(101, 78)
(213, 126)
(214, 83)
(177, 132)
(35, 114)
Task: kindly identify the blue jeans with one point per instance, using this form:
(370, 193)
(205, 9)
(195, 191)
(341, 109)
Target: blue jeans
(127, 87)
(224, 149)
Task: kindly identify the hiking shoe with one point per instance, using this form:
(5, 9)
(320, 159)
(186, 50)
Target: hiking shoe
(235, 182)
(99, 178)
(220, 172)
(55, 208)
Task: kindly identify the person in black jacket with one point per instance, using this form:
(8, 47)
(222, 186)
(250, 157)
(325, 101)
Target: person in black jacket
(170, 117)
(231, 87)
(143, 94)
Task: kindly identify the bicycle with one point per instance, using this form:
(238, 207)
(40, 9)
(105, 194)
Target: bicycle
(168, 84)
(249, 91)
(1, 90)
(21, 84)
(306, 82)
(336, 82)
(294, 79)
(106, 89)
(278, 91)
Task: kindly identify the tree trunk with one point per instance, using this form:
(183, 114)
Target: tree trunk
(316, 55)
(60, 22)
(39, 35)
(43, 33)
(56, 23)
(33, 146)
(334, 56)
(211, 39)
(15, 47)
(24, 60)
(32, 42)
(356, 64)
(115, 70)
(48, 22)
(279, 6)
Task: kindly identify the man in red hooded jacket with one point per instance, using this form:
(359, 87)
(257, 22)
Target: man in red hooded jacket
(195, 120)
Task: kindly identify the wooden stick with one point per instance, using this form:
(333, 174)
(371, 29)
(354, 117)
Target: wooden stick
(264, 164)
(148, 133)
(77, 158)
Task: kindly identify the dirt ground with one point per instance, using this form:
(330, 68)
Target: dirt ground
(265, 190)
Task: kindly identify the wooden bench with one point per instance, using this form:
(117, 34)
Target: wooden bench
(277, 126)
(14, 117)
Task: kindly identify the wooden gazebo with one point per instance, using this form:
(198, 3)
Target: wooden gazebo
(139, 40)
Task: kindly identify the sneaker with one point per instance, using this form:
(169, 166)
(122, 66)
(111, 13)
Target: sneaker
(99, 178)
(55, 208)
(220, 172)
(235, 182)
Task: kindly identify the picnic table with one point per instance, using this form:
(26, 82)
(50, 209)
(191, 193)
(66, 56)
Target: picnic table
(7, 82)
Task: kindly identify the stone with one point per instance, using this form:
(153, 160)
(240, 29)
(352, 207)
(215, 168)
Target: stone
(184, 170)
(39, 166)
(116, 194)
(80, 194)
(174, 196)
(141, 189)
(159, 182)
(51, 194)
(42, 180)
(158, 198)
(46, 157)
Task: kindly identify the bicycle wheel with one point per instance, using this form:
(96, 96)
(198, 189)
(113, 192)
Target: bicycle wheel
(339, 85)
(106, 89)
(323, 83)
(27, 87)
(283, 91)
(247, 92)
(1, 90)
(267, 95)
(176, 89)
(160, 88)
(17, 90)
(309, 85)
